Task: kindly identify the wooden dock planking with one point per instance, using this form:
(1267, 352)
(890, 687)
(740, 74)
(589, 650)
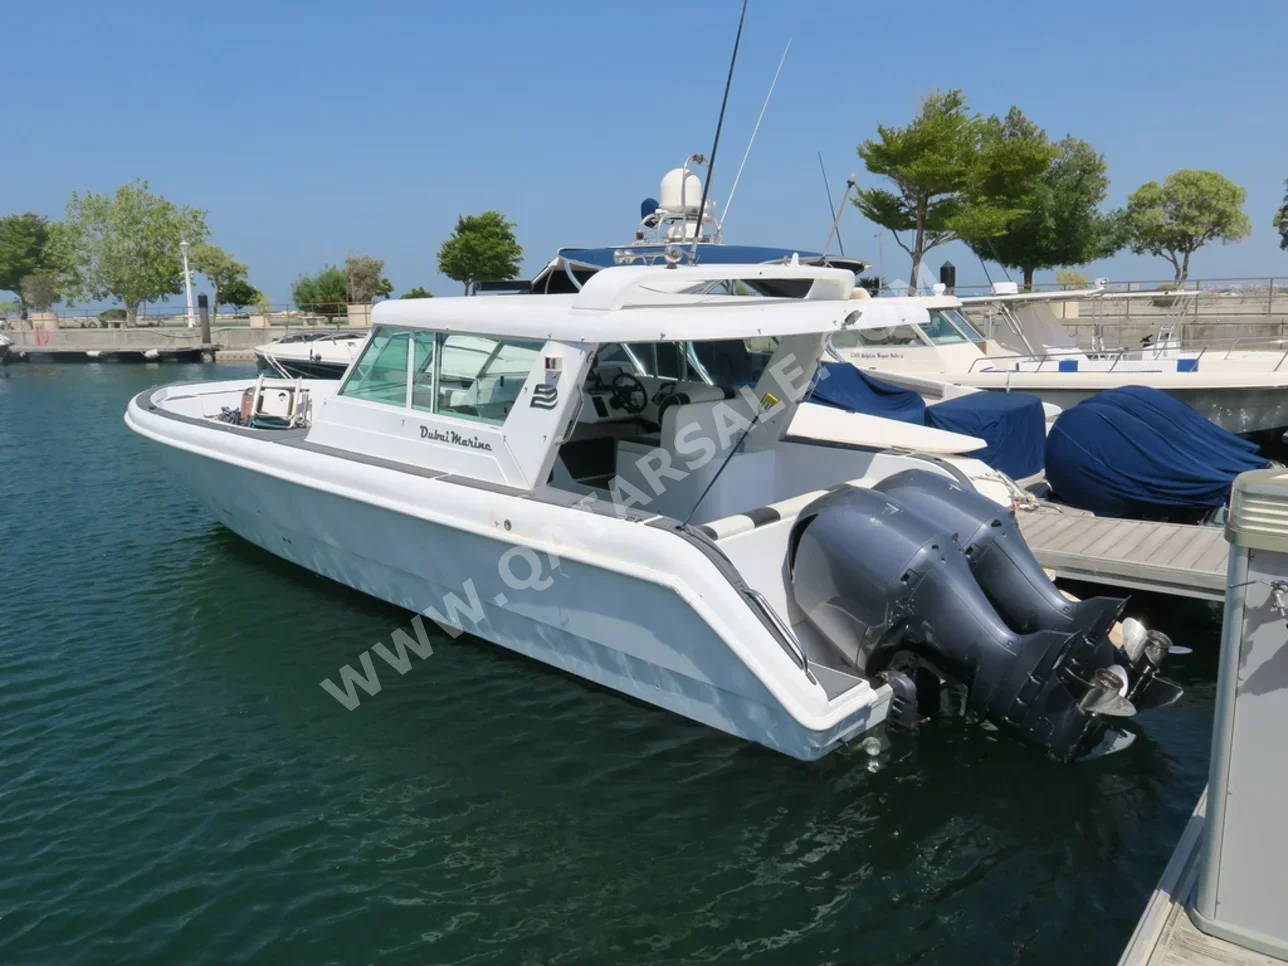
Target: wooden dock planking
(1165, 935)
(1169, 558)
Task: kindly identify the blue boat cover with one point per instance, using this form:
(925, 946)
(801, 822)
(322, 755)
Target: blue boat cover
(1138, 452)
(843, 386)
(1012, 423)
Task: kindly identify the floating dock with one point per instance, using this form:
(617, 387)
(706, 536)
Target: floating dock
(1165, 558)
(64, 354)
(1165, 934)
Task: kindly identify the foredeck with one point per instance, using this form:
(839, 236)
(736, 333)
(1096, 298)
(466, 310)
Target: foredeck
(1166, 558)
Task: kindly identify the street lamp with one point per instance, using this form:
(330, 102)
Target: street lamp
(187, 282)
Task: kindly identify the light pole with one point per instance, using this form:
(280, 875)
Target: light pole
(187, 281)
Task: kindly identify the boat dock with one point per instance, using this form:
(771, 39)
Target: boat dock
(1165, 558)
(64, 354)
(1221, 899)
(1165, 934)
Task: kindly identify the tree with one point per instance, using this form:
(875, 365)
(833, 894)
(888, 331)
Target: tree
(326, 293)
(38, 291)
(481, 247)
(954, 175)
(24, 242)
(364, 279)
(239, 293)
(124, 245)
(1064, 225)
(1177, 218)
(1281, 221)
(419, 292)
(221, 270)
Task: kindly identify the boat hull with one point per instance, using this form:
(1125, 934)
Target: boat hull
(634, 636)
(1236, 410)
(301, 368)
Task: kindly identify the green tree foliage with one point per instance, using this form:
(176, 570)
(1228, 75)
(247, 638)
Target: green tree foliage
(480, 248)
(239, 293)
(419, 292)
(1281, 221)
(39, 291)
(24, 242)
(363, 275)
(221, 270)
(1177, 218)
(326, 292)
(1063, 224)
(953, 176)
(123, 245)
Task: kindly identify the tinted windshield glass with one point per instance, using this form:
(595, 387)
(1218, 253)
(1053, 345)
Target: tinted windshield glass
(940, 329)
(964, 324)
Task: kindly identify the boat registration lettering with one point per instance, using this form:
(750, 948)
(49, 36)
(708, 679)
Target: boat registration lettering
(453, 438)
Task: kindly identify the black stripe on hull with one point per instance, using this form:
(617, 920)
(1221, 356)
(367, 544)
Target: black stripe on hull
(301, 369)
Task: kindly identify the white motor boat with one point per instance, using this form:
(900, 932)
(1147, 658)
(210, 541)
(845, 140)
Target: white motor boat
(784, 572)
(5, 345)
(311, 355)
(1028, 350)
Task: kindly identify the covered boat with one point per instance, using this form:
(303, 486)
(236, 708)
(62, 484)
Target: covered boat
(1137, 452)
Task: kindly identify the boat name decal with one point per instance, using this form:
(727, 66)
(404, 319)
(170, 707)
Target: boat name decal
(453, 437)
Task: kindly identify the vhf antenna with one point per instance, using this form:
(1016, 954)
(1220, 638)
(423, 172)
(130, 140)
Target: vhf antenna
(711, 168)
(754, 131)
(831, 207)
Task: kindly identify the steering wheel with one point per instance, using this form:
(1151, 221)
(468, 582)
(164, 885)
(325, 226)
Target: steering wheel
(628, 393)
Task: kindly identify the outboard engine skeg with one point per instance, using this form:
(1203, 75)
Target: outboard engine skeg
(1001, 561)
(881, 582)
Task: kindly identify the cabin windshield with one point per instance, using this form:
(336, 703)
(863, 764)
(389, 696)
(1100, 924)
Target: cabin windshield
(728, 363)
(947, 326)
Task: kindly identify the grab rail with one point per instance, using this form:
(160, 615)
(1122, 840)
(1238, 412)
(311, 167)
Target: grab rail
(796, 652)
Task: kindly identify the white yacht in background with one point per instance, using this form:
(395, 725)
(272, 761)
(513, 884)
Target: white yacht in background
(311, 355)
(1027, 349)
(782, 571)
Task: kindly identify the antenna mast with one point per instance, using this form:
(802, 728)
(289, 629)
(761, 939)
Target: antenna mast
(711, 168)
(754, 132)
(831, 207)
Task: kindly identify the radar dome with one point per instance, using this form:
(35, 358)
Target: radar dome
(681, 192)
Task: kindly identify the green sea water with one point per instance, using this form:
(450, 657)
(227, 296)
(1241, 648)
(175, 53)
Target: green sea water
(175, 787)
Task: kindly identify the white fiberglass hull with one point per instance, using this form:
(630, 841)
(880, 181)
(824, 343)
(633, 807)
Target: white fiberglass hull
(659, 627)
(1235, 408)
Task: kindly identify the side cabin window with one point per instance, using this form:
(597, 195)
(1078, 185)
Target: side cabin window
(877, 338)
(381, 373)
(465, 376)
(479, 377)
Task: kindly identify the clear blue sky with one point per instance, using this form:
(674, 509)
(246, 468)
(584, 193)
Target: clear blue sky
(312, 130)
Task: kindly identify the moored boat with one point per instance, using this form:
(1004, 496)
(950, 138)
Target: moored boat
(719, 547)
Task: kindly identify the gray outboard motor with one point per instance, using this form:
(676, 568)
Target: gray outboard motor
(1017, 586)
(1003, 565)
(893, 592)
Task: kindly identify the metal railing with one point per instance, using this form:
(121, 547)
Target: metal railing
(1145, 353)
(1222, 297)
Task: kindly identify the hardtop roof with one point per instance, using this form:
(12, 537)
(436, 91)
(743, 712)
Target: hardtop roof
(645, 304)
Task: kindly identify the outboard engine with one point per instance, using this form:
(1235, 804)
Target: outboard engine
(1017, 586)
(891, 588)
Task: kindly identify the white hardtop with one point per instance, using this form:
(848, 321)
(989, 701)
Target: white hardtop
(647, 304)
